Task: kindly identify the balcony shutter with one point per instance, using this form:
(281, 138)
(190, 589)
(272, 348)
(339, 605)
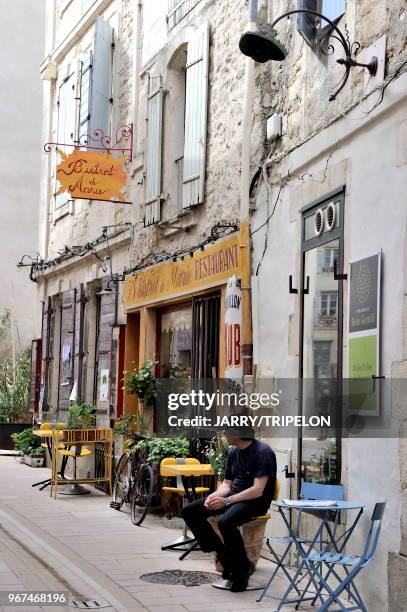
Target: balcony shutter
(66, 126)
(77, 364)
(152, 212)
(306, 24)
(67, 334)
(35, 378)
(196, 103)
(107, 319)
(46, 351)
(333, 9)
(85, 99)
(101, 77)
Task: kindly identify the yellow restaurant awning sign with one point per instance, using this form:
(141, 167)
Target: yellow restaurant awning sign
(205, 269)
(90, 175)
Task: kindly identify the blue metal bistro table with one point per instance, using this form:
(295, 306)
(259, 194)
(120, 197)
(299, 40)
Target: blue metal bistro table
(329, 520)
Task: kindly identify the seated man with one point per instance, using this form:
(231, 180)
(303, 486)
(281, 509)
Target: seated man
(246, 492)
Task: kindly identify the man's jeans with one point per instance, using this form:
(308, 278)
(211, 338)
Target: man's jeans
(231, 553)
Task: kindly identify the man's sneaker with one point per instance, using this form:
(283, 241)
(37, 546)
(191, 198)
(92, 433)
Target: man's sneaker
(240, 584)
(226, 573)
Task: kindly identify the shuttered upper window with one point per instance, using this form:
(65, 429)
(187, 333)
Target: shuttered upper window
(85, 98)
(177, 9)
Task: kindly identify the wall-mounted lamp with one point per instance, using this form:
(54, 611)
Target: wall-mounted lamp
(262, 45)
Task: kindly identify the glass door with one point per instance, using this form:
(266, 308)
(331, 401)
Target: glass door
(321, 350)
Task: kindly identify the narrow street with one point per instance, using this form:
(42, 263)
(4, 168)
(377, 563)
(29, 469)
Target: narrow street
(81, 545)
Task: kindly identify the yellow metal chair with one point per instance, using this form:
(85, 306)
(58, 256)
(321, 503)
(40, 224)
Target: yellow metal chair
(184, 540)
(74, 489)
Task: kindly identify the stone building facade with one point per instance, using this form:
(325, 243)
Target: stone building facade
(174, 72)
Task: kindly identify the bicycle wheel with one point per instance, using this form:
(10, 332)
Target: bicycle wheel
(121, 484)
(142, 494)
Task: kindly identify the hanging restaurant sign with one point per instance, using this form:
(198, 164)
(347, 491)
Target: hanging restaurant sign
(91, 175)
(96, 167)
(208, 268)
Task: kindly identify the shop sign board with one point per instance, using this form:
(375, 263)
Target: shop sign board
(208, 268)
(233, 329)
(364, 327)
(91, 175)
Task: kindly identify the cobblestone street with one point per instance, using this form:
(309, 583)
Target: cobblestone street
(81, 545)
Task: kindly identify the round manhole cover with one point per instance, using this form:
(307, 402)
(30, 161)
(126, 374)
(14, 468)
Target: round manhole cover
(188, 579)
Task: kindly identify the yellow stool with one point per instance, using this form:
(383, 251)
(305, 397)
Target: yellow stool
(184, 542)
(74, 489)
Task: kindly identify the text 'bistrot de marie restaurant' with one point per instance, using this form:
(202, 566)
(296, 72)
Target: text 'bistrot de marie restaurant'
(176, 313)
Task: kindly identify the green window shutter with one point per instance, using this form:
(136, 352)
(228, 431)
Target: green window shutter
(101, 77)
(196, 104)
(152, 212)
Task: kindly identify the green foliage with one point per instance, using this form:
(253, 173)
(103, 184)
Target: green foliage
(160, 448)
(5, 321)
(81, 416)
(26, 443)
(124, 425)
(142, 382)
(14, 387)
(217, 457)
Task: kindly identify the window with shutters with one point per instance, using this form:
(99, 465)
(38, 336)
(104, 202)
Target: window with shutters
(314, 29)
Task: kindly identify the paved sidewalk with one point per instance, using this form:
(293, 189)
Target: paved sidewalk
(80, 544)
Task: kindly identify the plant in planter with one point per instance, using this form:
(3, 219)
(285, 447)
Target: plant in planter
(142, 383)
(81, 416)
(217, 457)
(158, 449)
(14, 396)
(26, 443)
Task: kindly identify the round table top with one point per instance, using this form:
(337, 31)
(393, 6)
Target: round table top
(339, 505)
(189, 469)
(43, 433)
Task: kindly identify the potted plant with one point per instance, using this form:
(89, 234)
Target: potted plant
(14, 394)
(26, 443)
(217, 457)
(80, 416)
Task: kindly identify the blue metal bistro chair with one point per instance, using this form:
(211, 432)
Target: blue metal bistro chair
(351, 564)
(309, 490)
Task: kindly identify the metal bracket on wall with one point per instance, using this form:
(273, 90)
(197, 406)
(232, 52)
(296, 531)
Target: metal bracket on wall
(336, 275)
(290, 285)
(287, 473)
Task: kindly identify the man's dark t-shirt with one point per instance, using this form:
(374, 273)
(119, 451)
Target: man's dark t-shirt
(255, 461)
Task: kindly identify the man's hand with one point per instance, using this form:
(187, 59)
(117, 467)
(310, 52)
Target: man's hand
(208, 499)
(215, 503)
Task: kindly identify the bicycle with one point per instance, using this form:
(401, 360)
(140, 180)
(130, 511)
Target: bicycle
(134, 485)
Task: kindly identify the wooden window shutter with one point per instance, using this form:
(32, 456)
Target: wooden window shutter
(35, 377)
(67, 334)
(101, 77)
(46, 346)
(85, 93)
(107, 319)
(79, 318)
(66, 126)
(307, 24)
(196, 104)
(152, 206)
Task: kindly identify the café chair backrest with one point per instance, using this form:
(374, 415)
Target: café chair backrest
(374, 531)
(315, 491)
(277, 490)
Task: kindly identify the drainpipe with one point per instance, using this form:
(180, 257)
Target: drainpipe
(247, 340)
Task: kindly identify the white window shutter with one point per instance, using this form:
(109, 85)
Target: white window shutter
(66, 126)
(85, 93)
(152, 206)
(196, 104)
(101, 77)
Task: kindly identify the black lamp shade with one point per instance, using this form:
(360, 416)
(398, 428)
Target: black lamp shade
(262, 47)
